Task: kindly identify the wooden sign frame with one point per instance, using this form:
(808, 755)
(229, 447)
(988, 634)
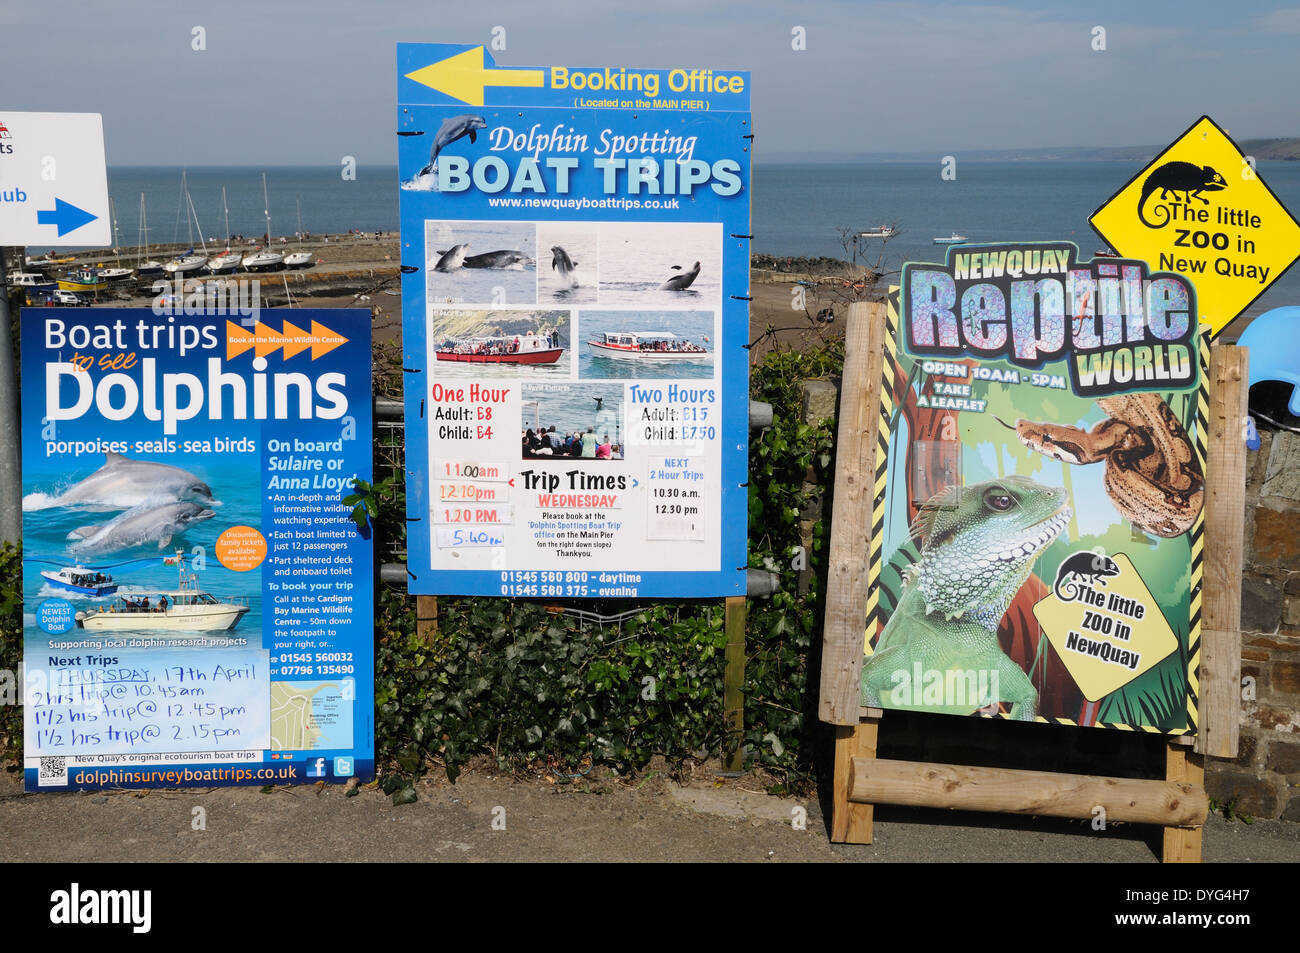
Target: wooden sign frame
(1178, 803)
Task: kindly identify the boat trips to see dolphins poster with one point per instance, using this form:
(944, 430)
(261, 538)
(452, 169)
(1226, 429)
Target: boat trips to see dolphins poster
(575, 249)
(197, 600)
(1036, 539)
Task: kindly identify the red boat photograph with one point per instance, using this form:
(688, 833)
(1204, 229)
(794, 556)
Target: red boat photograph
(510, 349)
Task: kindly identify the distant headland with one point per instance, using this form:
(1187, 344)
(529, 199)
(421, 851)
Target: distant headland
(1286, 150)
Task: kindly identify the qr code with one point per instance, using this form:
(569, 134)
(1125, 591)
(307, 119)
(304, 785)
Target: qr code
(54, 772)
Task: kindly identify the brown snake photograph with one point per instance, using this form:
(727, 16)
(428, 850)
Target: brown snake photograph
(1152, 474)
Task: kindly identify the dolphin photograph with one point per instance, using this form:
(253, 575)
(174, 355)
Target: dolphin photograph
(501, 258)
(683, 279)
(489, 264)
(452, 258)
(568, 272)
(122, 482)
(652, 265)
(138, 526)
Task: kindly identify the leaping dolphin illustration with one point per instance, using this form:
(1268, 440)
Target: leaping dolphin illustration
(452, 129)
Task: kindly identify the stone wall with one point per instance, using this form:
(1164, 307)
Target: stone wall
(1264, 780)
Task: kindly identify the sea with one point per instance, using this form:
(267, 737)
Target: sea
(799, 209)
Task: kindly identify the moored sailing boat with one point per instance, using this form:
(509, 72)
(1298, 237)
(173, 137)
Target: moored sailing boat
(264, 259)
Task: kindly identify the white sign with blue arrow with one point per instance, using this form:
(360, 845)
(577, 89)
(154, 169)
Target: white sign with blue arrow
(53, 182)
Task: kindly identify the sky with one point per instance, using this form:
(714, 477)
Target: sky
(305, 82)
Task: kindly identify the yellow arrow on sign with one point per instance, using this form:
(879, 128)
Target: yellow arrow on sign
(464, 77)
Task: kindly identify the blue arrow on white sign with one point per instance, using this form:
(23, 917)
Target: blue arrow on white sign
(53, 166)
(65, 216)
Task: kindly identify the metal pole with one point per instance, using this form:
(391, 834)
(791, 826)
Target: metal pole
(11, 495)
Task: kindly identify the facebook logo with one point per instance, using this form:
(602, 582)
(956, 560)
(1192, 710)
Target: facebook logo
(343, 767)
(316, 768)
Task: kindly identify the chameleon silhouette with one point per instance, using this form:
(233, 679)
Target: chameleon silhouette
(1183, 177)
(1080, 565)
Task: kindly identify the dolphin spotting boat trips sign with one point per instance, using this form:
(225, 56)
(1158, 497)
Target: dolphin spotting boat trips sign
(1036, 537)
(197, 598)
(575, 249)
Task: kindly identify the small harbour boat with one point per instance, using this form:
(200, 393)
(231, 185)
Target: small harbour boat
(1105, 253)
(880, 231)
(512, 349)
(298, 259)
(117, 273)
(187, 608)
(83, 279)
(227, 261)
(190, 262)
(81, 581)
(953, 239)
(31, 281)
(46, 261)
(146, 268)
(647, 346)
(186, 264)
(263, 259)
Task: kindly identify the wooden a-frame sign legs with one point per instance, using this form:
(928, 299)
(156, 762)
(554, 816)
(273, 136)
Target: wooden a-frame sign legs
(1178, 803)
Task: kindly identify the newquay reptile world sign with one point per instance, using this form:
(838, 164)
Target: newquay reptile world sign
(1041, 460)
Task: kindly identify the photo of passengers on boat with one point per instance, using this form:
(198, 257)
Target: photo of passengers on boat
(499, 344)
(491, 264)
(567, 273)
(568, 422)
(636, 345)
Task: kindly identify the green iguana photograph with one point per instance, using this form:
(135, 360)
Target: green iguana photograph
(939, 651)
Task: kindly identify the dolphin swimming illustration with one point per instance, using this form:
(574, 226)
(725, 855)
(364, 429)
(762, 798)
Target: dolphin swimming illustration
(453, 259)
(452, 129)
(125, 482)
(505, 258)
(561, 262)
(683, 281)
(138, 525)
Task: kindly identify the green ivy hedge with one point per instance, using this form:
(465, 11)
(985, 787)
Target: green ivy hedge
(11, 651)
(516, 681)
(510, 679)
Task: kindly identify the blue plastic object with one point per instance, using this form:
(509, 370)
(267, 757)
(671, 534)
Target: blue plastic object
(1274, 342)
(1252, 435)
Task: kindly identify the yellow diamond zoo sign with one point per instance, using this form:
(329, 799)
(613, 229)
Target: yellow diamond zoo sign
(1201, 209)
(1106, 633)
